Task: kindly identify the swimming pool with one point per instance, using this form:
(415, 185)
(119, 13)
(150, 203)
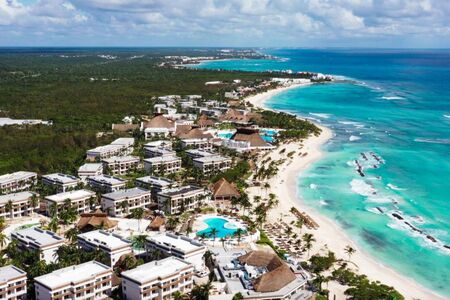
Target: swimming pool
(225, 135)
(223, 226)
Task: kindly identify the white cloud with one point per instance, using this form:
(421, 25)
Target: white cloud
(239, 22)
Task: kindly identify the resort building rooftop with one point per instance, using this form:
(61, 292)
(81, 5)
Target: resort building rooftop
(15, 197)
(60, 178)
(10, 272)
(112, 180)
(103, 239)
(156, 269)
(155, 180)
(123, 141)
(177, 242)
(126, 193)
(72, 275)
(182, 190)
(72, 195)
(38, 237)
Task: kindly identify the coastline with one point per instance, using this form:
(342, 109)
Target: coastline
(329, 236)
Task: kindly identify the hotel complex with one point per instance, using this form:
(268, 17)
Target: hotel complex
(79, 199)
(21, 205)
(17, 181)
(112, 203)
(180, 199)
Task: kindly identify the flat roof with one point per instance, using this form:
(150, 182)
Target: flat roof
(177, 242)
(10, 272)
(156, 269)
(200, 153)
(16, 176)
(16, 197)
(156, 180)
(181, 190)
(72, 274)
(62, 178)
(105, 148)
(213, 158)
(119, 159)
(72, 195)
(108, 179)
(123, 141)
(90, 167)
(160, 150)
(130, 193)
(160, 159)
(38, 236)
(105, 239)
(157, 144)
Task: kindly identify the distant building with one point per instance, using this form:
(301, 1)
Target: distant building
(159, 279)
(180, 246)
(17, 181)
(13, 283)
(158, 151)
(196, 138)
(158, 126)
(162, 164)
(90, 280)
(90, 170)
(180, 199)
(112, 244)
(134, 198)
(106, 183)
(119, 147)
(246, 139)
(212, 164)
(21, 205)
(196, 153)
(155, 184)
(46, 242)
(121, 165)
(79, 199)
(61, 182)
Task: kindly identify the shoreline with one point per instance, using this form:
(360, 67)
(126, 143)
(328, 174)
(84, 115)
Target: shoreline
(329, 235)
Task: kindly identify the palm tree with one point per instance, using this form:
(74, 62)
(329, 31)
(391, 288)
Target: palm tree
(54, 225)
(124, 205)
(350, 251)
(309, 239)
(237, 296)
(213, 233)
(138, 214)
(2, 223)
(34, 201)
(72, 234)
(139, 241)
(2, 240)
(53, 210)
(92, 202)
(9, 208)
(238, 233)
(172, 222)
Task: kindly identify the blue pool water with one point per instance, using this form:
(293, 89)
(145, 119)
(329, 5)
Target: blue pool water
(219, 224)
(225, 135)
(395, 103)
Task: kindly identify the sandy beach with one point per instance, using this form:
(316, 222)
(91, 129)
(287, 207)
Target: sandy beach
(329, 236)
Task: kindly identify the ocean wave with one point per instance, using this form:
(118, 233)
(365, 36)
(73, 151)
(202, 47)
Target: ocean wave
(394, 187)
(392, 98)
(381, 199)
(353, 138)
(447, 116)
(362, 188)
(313, 186)
(323, 203)
(321, 115)
(376, 210)
(355, 124)
(433, 141)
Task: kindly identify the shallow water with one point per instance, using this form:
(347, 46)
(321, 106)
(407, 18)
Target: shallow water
(396, 104)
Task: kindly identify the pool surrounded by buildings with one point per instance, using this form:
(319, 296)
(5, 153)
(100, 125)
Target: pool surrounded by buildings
(224, 226)
(267, 134)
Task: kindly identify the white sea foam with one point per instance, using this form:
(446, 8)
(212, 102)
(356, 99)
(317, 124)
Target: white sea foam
(355, 124)
(394, 187)
(313, 186)
(354, 138)
(362, 188)
(321, 115)
(392, 98)
(433, 141)
(323, 203)
(380, 199)
(375, 210)
(447, 116)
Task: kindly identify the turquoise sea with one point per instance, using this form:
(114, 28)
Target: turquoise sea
(394, 107)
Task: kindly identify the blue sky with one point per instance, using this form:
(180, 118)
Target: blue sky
(240, 23)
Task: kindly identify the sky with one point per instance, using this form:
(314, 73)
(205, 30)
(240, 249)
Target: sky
(231, 23)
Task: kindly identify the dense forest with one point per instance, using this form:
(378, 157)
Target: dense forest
(84, 91)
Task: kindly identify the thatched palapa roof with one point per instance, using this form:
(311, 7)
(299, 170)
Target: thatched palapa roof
(249, 135)
(95, 220)
(159, 121)
(223, 189)
(204, 121)
(195, 133)
(278, 274)
(156, 223)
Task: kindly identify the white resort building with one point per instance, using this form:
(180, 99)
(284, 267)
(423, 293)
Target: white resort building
(60, 182)
(180, 246)
(158, 126)
(79, 199)
(46, 242)
(90, 170)
(17, 181)
(158, 280)
(180, 199)
(13, 283)
(158, 151)
(162, 164)
(119, 147)
(21, 205)
(112, 203)
(112, 244)
(90, 280)
(121, 165)
(212, 164)
(106, 183)
(155, 184)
